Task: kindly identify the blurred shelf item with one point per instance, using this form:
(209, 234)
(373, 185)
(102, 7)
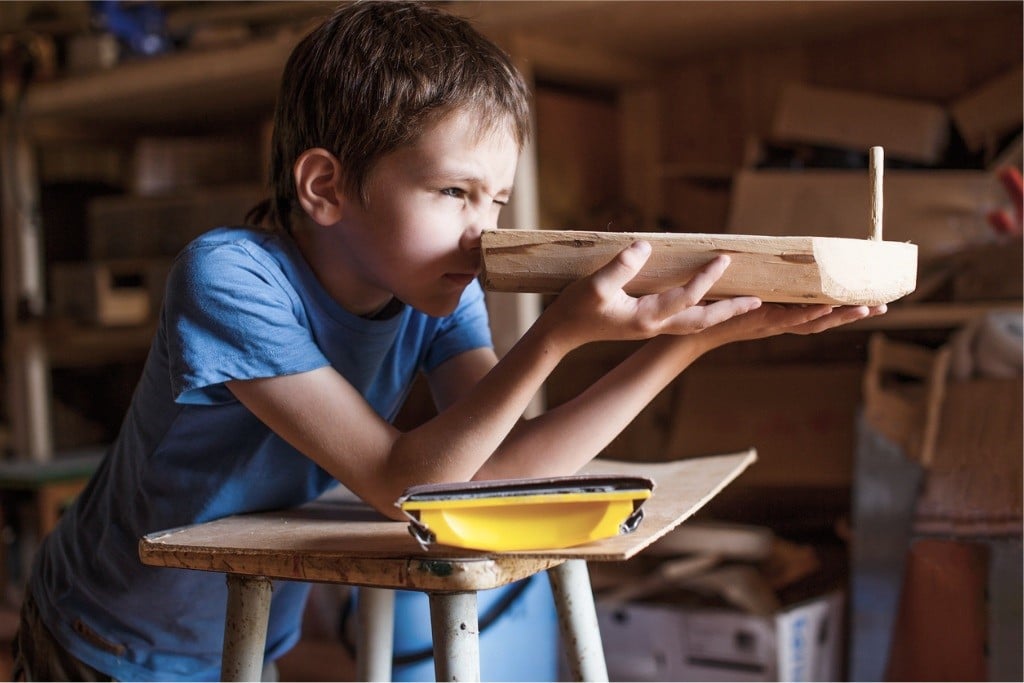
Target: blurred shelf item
(934, 316)
(192, 90)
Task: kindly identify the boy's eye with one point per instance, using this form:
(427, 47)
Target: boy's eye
(456, 192)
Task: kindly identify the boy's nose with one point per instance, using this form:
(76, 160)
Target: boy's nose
(470, 239)
(480, 221)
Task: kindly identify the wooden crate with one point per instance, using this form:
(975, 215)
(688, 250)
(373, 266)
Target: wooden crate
(109, 293)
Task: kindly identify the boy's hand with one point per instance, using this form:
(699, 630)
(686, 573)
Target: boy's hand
(775, 319)
(597, 308)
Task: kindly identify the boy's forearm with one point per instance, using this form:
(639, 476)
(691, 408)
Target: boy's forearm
(565, 438)
(457, 442)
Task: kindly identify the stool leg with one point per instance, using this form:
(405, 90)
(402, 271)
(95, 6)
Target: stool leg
(453, 624)
(245, 628)
(577, 619)
(376, 634)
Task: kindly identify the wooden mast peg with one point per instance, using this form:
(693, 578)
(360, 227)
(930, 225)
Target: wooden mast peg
(876, 163)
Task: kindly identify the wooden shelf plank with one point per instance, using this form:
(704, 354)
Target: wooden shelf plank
(202, 86)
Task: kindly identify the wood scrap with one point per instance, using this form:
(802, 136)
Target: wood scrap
(724, 539)
(740, 585)
(666, 575)
(789, 563)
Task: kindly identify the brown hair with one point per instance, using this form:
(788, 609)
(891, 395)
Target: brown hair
(370, 78)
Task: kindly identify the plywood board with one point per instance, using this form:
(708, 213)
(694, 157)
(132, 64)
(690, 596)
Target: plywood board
(804, 434)
(347, 542)
(776, 269)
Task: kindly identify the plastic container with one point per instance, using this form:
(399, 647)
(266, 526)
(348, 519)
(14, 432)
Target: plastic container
(525, 514)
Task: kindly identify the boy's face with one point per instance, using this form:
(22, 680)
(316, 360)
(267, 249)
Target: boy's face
(417, 236)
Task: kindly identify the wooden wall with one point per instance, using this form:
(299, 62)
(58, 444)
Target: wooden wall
(578, 146)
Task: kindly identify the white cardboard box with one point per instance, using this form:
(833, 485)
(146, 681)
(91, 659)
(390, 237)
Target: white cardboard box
(664, 642)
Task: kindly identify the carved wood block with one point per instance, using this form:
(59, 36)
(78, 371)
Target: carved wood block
(832, 270)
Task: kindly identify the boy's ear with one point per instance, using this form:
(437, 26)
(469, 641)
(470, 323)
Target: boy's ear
(318, 183)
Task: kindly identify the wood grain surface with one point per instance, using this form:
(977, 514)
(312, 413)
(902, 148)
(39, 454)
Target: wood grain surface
(806, 270)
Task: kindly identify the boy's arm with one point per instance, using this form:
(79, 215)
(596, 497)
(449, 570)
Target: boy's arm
(566, 437)
(324, 417)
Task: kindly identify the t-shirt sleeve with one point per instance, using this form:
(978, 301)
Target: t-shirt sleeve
(231, 314)
(466, 329)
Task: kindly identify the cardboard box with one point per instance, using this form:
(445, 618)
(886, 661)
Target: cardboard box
(939, 211)
(907, 129)
(993, 110)
(128, 227)
(664, 642)
(989, 271)
(165, 165)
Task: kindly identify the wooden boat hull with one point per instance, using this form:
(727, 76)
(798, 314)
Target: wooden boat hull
(832, 270)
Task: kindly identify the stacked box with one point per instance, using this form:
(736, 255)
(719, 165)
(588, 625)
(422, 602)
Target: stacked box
(127, 227)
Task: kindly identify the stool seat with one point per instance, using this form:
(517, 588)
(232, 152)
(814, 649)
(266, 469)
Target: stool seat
(334, 540)
(341, 540)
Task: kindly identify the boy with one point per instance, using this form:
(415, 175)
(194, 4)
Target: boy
(282, 355)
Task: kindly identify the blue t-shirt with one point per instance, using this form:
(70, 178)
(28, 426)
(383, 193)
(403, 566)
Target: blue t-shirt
(240, 304)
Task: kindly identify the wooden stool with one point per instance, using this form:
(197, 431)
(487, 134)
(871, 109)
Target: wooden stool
(343, 541)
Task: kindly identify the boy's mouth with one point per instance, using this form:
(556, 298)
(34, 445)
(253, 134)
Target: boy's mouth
(461, 279)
